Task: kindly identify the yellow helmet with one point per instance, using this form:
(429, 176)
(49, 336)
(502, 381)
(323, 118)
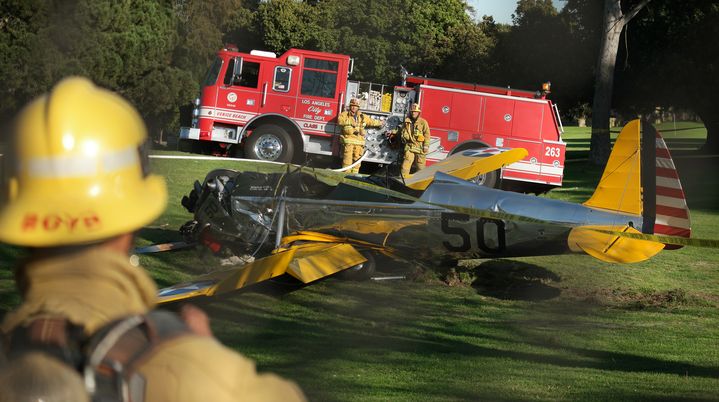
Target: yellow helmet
(78, 174)
(354, 102)
(415, 108)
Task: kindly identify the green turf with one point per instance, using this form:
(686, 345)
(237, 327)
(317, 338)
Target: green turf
(682, 137)
(558, 328)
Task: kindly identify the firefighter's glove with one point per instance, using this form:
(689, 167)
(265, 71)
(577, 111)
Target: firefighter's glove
(425, 149)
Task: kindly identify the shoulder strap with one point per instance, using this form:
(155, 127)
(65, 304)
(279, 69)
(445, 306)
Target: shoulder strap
(55, 336)
(108, 359)
(114, 353)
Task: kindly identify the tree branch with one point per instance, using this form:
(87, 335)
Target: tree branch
(628, 16)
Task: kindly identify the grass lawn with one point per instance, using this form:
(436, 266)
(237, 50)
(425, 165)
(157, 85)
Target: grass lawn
(552, 328)
(680, 136)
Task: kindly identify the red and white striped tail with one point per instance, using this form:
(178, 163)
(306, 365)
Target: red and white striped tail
(672, 213)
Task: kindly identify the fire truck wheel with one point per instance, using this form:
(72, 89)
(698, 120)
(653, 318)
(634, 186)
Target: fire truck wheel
(270, 143)
(488, 179)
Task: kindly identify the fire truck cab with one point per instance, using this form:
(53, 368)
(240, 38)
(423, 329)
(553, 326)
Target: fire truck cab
(276, 107)
(261, 106)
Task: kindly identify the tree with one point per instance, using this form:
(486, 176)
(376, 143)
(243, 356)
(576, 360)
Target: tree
(544, 45)
(380, 35)
(530, 52)
(286, 24)
(124, 46)
(470, 59)
(19, 24)
(673, 65)
(614, 22)
(203, 27)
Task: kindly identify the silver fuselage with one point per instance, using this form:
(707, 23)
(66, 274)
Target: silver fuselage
(425, 230)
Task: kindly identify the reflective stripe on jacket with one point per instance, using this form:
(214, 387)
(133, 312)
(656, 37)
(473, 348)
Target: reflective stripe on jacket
(415, 135)
(353, 127)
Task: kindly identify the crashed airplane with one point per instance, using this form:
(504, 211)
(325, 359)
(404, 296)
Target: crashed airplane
(311, 223)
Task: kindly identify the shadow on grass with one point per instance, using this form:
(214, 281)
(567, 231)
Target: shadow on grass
(515, 280)
(695, 175)
(370, 328)
(159, 234)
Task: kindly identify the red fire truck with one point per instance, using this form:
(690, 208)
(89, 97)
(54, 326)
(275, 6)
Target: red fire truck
(283, 108)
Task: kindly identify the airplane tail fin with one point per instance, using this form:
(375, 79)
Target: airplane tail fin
(640, 178)
(620, 188)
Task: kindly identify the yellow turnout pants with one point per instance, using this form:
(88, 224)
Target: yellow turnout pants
(350, 154)
(411, 158)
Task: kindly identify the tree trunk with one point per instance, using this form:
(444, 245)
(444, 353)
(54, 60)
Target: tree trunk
(614, 22)
(711, 122)
(604, 82)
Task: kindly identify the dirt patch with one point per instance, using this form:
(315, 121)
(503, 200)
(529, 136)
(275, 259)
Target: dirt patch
(642, 299)
(510, 280)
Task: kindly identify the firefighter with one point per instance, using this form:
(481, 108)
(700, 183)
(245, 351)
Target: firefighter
(353, 123)
(78, 189)
(415, 136)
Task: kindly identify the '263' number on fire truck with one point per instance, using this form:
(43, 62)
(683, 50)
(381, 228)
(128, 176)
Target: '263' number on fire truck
(490, 233)
(554, 152)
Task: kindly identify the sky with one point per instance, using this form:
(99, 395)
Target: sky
(501, 10)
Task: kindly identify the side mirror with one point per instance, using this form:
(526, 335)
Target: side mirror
(237, 70)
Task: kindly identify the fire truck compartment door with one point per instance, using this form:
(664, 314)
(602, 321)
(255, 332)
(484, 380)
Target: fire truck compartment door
(498, 116)
(528, 120)
(436, 152)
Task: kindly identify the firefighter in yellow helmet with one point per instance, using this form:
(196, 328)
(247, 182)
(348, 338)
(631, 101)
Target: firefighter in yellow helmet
(78, 189)
(353, 124)
(415, 136)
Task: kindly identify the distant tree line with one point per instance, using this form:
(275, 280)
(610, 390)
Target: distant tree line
(155, 52)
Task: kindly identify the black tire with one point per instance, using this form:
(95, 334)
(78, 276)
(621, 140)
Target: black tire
(190, 146)
(489, 179)
(363, 271)
(270, 143)
(184, 145)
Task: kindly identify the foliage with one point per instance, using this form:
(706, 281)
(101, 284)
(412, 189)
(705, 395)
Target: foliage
(125, 46)
(203, 28)
(581, 110)
(286, 24)
(156, 52)
(670, 61)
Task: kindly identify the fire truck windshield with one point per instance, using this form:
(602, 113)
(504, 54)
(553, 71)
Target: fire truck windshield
(212, 73)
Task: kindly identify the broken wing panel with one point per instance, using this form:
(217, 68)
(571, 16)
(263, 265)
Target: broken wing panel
(466, 165)
(306, 262)
(257, 271)
(315, 261)
(232, 279)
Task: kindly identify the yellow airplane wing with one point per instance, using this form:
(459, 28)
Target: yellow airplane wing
(315, 259)
(467, 165)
